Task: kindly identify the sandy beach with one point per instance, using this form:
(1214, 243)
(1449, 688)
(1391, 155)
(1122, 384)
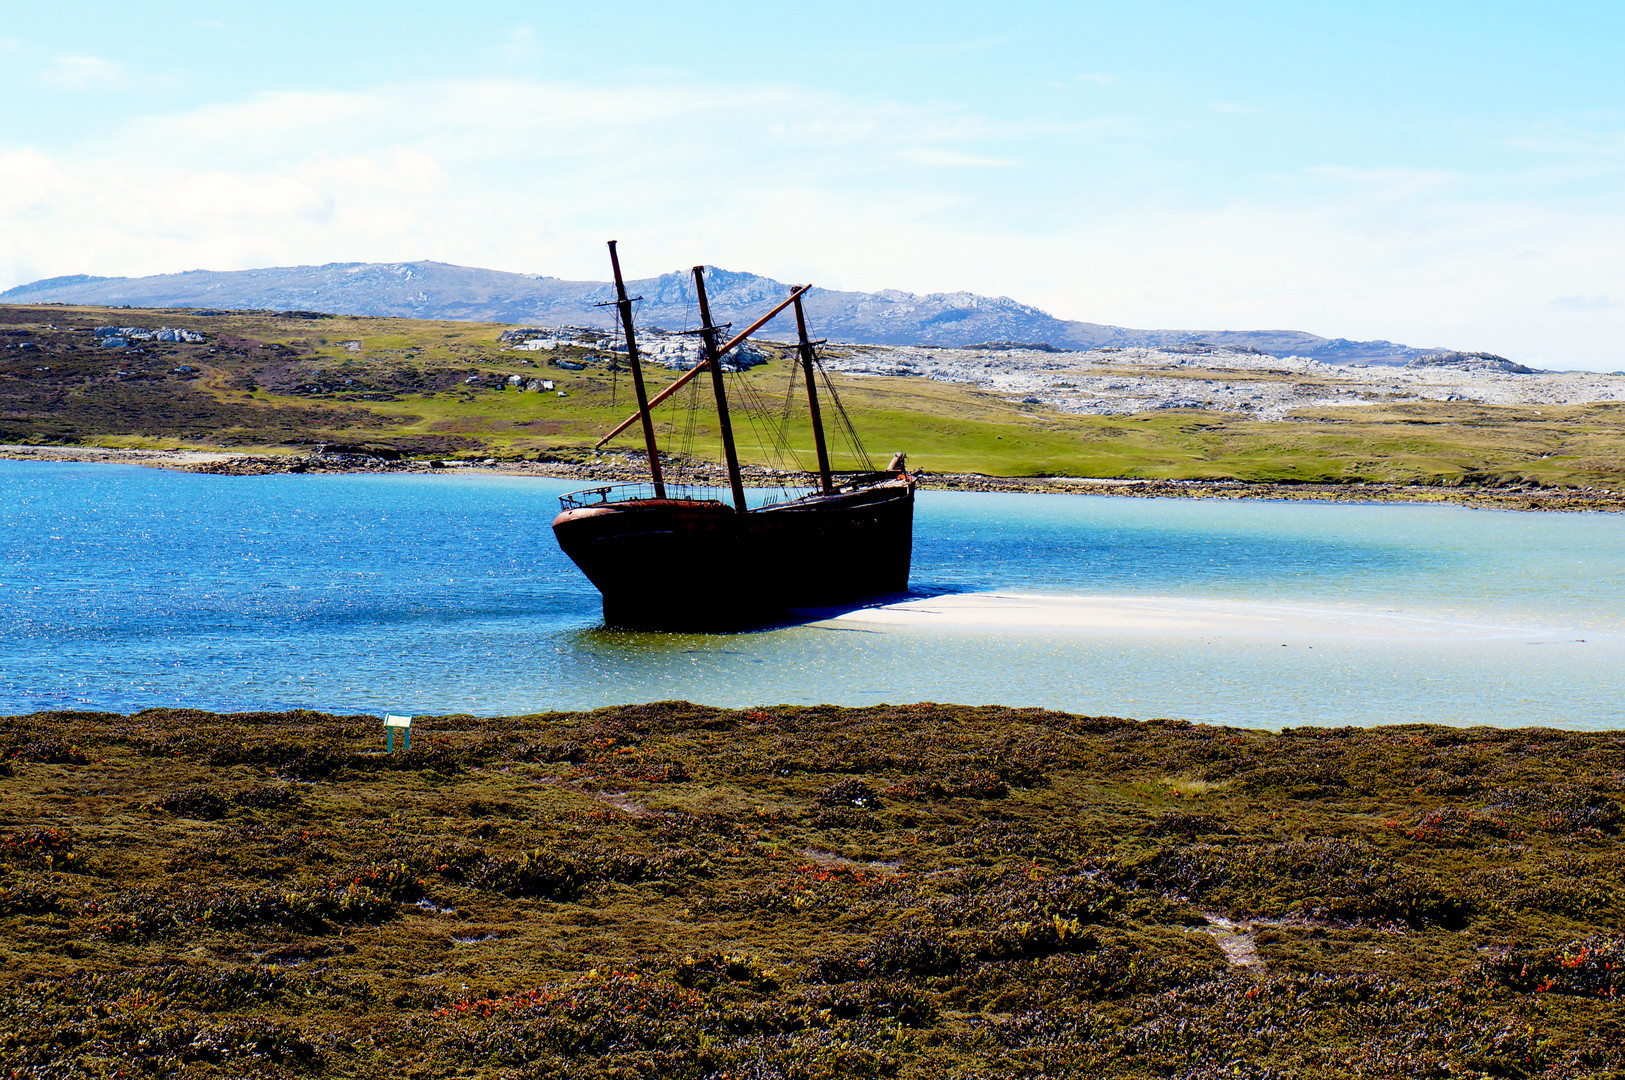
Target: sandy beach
(1183, 617)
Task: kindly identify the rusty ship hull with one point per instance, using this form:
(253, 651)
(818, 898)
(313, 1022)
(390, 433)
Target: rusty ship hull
(700, 564)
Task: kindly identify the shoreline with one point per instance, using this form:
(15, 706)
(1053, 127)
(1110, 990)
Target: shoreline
(608, 470)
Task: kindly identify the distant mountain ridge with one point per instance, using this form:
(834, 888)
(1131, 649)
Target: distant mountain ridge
(434, 290)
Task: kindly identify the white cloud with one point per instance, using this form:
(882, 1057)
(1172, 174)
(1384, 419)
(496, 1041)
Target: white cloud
(1459, 273)
(941, 157)
(938, 49)
(1392, 186)
(533, 176)
(1071, 82)
(84, 73)
(1387, 176)
(513, 173)
(520, 44)
(1582, 303)
(275, 122)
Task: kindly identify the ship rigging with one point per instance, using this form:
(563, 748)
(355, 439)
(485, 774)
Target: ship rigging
(665, 557)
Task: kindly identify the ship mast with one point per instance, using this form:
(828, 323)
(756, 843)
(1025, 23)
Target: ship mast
(701, 367)
(708, 334)
(625, 306)
(805, 348)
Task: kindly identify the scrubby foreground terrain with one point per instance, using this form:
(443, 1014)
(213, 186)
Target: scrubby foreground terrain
(675, 891)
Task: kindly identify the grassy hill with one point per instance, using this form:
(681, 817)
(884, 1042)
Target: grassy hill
(284, 383)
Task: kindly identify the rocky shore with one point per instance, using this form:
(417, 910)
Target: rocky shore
(620, 467)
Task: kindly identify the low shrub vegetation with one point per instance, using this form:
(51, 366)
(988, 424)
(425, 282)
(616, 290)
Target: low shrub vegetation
(917, 891)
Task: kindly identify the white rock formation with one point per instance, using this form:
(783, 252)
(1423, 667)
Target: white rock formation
(118, 336)
(1124, 381)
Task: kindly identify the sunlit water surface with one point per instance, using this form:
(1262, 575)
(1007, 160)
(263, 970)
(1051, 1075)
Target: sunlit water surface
(125, 587)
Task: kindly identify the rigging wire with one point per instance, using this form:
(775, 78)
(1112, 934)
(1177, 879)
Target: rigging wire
(679, 454)
(769, 422)
(792, 401)
(792, 410)
(760, 413)
(789, 411)
(768, 438)
(691, 403)
(617, 333)
(688, 409)
(790, 391)
(849, 433)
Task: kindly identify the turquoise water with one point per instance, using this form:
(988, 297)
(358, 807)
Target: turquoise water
(125, 587)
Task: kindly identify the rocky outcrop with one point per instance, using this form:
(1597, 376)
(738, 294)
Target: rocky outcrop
(1007, 346)
(380, 451)
(1118, 381)
(1471, 361)
(117, 337)
(678, 352)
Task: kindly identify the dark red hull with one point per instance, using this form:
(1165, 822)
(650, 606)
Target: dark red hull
(698, 564)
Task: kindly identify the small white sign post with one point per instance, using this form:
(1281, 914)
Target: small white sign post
(391, 722)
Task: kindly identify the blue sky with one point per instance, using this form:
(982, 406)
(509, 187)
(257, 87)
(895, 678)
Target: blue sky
(1433, 173)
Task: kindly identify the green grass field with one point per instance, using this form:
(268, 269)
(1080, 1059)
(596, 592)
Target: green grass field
(266, 382)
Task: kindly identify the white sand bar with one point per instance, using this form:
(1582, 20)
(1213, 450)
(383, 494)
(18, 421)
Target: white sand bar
(1182, 617)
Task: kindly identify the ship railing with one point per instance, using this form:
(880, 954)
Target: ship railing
(619, 493)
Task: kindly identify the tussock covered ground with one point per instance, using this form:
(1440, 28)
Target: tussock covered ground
(668, 890)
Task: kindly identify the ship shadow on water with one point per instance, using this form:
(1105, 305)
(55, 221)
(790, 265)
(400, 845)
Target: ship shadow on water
(813, 616)
(708, 640)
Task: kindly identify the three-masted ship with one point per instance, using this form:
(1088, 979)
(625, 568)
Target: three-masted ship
(667, 558)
